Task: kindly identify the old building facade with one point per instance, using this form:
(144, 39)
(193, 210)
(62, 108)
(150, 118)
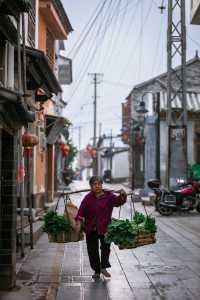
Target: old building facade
(28, 84)
(144, 150)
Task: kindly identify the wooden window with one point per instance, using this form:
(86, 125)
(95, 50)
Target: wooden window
(50, 48)
(31, 25)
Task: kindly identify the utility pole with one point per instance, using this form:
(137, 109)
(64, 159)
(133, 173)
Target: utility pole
(96, 80)
(176, 90)
(132, 154)
(157, 110)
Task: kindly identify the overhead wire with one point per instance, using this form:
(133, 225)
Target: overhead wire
(117, 50)
(157, 47)
(81, 77)
(84, 65)
(114, 33)
(99, 36)
(119, 84)
(84, 29)
(85, 35)
(140, 41)
(105, 25)
(130, 24)
(135, 45)
(88, 60)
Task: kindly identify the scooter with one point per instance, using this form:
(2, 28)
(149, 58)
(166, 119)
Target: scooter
(184, 197)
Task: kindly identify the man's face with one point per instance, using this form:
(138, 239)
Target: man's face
(96, 186)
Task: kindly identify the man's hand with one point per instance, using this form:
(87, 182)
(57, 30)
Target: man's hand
(123, 194)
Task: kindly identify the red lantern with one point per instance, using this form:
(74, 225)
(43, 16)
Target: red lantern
(29, 140)
(89, 149)
(64, 149)
(94, 152)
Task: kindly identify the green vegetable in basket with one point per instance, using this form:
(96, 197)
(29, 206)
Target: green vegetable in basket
(120, 232)
(138, 217)
(54, 224)
(150, 224)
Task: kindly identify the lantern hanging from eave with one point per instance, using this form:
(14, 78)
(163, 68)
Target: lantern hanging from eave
(94, 153)
(29, 140)
(64, 148)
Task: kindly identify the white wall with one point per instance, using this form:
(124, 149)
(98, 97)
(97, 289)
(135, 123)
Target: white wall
(120, 165)
(164, 146)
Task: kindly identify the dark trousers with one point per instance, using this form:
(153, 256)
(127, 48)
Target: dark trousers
(92, 240)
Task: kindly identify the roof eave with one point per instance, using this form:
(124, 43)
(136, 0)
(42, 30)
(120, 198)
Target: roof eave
(45, 69)
(150, 81)
(63, 16)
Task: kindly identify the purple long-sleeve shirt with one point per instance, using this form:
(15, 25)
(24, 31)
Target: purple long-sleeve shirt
(97, 212)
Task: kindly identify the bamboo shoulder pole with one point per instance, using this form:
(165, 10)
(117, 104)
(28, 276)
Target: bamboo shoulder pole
(88, 190)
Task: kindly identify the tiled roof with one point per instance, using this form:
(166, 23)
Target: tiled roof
(192, 100)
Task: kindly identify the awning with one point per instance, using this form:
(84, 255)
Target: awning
(8, 29)
(192, 101)
(40, 74)
(55, 126)
(13, 113)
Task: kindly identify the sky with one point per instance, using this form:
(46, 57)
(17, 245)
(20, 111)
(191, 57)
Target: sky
(125, 42)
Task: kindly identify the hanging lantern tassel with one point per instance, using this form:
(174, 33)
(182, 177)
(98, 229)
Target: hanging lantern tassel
(20, 174)
(64, 150)
(29, 140)
(28, 152)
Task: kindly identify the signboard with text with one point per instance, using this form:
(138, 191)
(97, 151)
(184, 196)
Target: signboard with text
(65, 71)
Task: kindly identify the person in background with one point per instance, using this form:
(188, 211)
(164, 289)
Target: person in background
(95, 214)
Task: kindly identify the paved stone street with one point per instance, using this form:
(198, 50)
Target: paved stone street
(166, 270)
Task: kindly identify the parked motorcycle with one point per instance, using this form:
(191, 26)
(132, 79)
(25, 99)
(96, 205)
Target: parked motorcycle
(184, 197)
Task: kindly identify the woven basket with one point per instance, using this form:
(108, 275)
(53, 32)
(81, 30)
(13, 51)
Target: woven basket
(66, 237)
(141, 240)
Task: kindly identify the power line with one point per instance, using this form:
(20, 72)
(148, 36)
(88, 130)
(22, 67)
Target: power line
(141, 40)
(83, 39)
(114, 33)
(117, 50)
(88, 60)
(119, 84)
(135, 45)
(157, 47)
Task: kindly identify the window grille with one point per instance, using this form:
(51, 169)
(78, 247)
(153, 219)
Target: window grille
(50, 48)
(31, 24)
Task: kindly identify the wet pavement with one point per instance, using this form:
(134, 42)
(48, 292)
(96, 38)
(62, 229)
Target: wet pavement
(166, 270)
